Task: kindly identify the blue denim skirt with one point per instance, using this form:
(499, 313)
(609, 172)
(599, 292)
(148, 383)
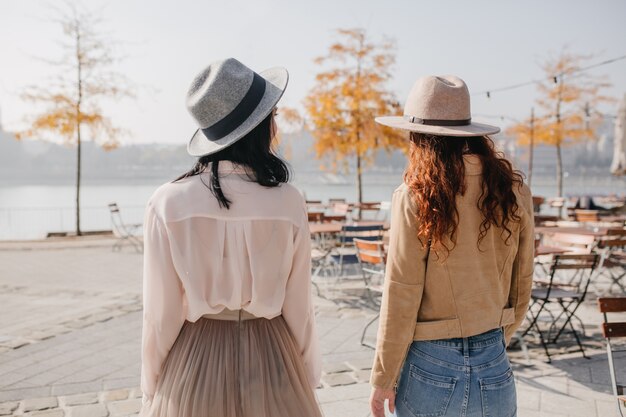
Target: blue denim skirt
(460, 377)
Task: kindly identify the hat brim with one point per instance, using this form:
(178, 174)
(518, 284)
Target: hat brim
(473, 129)
(276, 80)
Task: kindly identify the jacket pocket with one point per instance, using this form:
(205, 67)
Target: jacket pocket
(426, 394)
(498, 395)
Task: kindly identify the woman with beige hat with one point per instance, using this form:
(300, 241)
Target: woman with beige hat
(228, 322)
(459, 268)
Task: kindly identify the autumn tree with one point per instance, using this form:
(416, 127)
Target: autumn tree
(568, 98)
(350, 91)
(71, 99)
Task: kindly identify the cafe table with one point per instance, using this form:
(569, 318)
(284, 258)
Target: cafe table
(323, 228)
(549, 250)
(595, 231)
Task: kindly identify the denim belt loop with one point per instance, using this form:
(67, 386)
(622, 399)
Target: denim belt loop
(466, 347)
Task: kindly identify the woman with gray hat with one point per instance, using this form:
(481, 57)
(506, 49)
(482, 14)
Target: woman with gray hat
(228, 322)
(459, 267)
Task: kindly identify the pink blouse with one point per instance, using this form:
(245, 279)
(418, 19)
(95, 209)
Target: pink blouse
(200, 259)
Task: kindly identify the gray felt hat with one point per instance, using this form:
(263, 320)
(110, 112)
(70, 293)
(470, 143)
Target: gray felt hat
(439, 106)
(228, 100)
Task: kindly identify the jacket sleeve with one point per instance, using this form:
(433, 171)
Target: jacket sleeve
(164, 310)
(402, 292)
(298, 310)
(523, 266)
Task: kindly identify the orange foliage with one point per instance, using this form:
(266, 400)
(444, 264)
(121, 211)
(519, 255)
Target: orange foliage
(70, 100)
(574, 97)
(349, 93)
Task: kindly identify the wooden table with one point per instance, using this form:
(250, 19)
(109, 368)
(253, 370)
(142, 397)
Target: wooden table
(318, 228)
(613, 218)
(549, 250)
(596, 231)
(334, 217)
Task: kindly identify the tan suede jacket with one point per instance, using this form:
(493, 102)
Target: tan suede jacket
(471, 291)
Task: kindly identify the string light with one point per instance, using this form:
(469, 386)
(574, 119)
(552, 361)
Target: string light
(554, 78)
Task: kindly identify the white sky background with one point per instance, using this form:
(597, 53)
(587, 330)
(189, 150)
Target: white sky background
(489, 44)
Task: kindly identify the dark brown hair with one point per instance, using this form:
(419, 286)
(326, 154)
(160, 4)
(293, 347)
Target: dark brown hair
(436, 175)
(254, 151)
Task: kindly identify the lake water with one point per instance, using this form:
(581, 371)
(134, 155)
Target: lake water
(31, 211)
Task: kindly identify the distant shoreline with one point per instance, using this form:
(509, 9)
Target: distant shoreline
(315, 179)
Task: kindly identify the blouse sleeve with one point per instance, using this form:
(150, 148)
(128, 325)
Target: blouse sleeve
(298, 310)
(163, 307)
(402, 292)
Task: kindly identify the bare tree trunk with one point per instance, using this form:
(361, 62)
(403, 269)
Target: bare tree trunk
(532, 146)
(78, 123)
(559, 138)
(78, 162)
(359, 179)
(359, 169)
(559, 175)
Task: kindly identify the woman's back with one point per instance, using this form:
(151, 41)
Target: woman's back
(228, 320)
(235, 258)
(460, 264)
(473, 277)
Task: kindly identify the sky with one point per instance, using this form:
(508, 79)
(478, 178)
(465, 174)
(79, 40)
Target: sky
(490, 44)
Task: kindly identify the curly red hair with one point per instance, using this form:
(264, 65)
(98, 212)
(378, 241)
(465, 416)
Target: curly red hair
(436, 175)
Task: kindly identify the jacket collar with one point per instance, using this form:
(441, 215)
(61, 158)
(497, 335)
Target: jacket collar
(473, 165)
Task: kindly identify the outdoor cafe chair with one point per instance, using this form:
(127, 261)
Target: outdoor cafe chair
(334, 256)
(568, 243)
(612, 331)
(333, 201)
(316, 216)
(125, 232)
(372, 258)
(586, 215)
(537, 202)
(559, 301)
(345, 253)
(575, 243)
(370, 210)
(337, 213)
(613, 261)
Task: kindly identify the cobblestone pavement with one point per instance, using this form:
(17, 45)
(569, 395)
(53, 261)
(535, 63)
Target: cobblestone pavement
(70, 325)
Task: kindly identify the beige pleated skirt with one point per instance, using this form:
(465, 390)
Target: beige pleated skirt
(225, 367)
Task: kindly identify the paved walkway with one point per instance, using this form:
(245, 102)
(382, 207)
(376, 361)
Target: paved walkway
(70, 326)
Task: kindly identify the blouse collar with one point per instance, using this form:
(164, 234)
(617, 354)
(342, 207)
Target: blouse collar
(228, 167)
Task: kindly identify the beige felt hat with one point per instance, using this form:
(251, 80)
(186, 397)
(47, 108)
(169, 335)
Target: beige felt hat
(439, 105)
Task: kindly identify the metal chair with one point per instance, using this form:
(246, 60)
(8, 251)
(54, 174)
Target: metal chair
(537, 202)
(372, 259)
(575, 243)
(125, 232)
(613, 262)
(567, 296)
(586, 215)
(333, 201)
(316, 216)
(345, 254)
(612, 331)
(370, 210)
